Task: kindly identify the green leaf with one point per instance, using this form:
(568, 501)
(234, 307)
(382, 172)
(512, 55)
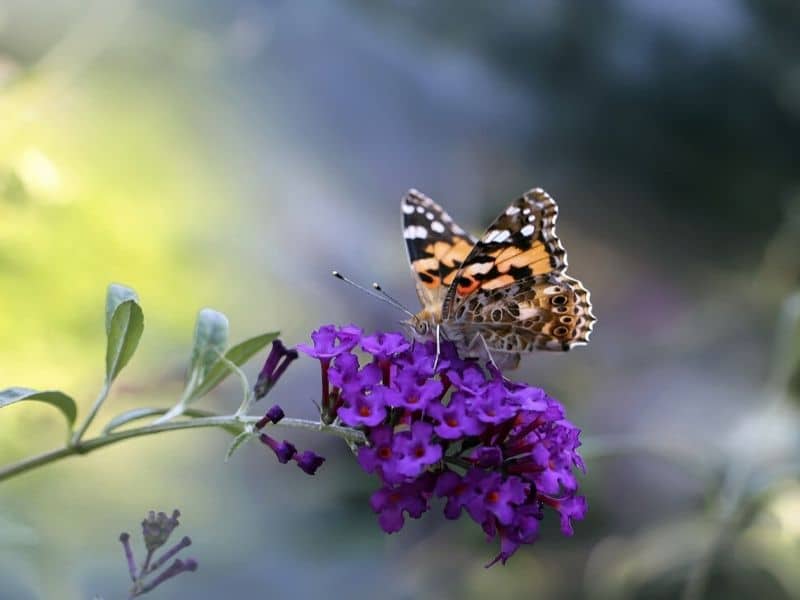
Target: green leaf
(116, 295)
(238, 355)
(237, 442)
(137, 414)
(124, 326)
(54, 398)
(210, 339)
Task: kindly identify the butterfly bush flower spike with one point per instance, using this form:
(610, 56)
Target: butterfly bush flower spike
(499, 452)
(156, 530)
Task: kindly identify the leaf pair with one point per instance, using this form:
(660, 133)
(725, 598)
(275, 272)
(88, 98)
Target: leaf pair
(210, 362)
(124, 326)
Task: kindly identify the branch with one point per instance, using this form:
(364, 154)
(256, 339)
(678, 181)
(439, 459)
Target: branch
(87, 446)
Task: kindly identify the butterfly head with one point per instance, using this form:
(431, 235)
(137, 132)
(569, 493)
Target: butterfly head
(423, 324)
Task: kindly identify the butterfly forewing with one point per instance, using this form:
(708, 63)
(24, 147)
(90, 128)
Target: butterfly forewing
(436, 247)
(521, 243)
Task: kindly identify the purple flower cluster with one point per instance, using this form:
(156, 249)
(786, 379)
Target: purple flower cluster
(499, 451)
(308, 461)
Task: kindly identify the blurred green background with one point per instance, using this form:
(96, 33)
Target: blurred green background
(230, 154)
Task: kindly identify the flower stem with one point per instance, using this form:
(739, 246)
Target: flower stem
(76, 437)
(86, 446)
(146, 565)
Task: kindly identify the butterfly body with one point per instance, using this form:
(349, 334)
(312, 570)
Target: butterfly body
(499, 296)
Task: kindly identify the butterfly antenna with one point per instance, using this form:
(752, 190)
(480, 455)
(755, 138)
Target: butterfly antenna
(376, 286)
(376, 292)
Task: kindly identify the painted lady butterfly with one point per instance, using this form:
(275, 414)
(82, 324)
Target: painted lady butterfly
(500, 296)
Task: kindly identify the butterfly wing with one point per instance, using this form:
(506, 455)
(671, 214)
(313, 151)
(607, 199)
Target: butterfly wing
(512, 289)
(545, 312)
(436, 247)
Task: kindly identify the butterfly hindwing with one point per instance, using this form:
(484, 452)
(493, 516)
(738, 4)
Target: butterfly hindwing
(512, 289)
(436, 246)
(545, 312)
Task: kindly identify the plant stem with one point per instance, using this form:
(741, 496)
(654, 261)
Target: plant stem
(177, 410)
(76, 437)
(146, 566)
(86, 446)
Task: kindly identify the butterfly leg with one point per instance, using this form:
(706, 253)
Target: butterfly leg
(507, 360)
(487, 351)
(438, 346)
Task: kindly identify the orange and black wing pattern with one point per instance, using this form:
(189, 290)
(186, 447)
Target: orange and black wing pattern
(436, 246)
(512, 289)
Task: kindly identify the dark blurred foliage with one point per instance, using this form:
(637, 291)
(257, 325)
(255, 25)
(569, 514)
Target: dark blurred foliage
(651, 111)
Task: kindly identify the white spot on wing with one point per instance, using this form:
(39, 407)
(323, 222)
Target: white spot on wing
(512, 210)
(528, 230)
(502, 236)
(496, 235)
(420, 210)
(414, 232)
(429, 215)
(526, 312)
(480, 268)
(437, 227)
(527, 211)
(407, 208)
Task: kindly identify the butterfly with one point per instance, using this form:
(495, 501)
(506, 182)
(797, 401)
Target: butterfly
(499, 296)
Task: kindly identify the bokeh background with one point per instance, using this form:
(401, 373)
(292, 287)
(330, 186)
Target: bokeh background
(230, 154)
